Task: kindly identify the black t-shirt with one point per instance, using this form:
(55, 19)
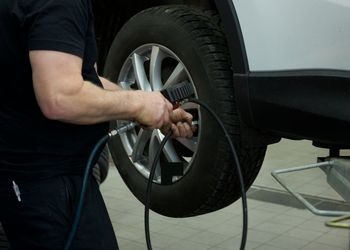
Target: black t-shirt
(31, 146)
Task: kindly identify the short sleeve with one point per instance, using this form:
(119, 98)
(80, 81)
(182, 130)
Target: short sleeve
(58, 25)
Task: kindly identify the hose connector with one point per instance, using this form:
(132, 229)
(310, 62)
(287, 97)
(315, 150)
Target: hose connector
(122, 129)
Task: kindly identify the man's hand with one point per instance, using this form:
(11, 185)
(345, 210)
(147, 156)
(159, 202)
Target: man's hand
(154, 110)
(182, 124)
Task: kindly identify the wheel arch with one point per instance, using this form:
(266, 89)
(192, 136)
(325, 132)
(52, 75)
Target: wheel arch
(233, 33)
(110, 15)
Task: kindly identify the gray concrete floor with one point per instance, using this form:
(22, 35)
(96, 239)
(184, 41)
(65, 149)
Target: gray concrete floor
(272, 224)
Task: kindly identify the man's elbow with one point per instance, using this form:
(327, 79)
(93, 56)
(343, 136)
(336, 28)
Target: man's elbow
(55, 109)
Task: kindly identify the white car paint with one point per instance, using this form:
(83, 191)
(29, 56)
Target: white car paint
(295, 34)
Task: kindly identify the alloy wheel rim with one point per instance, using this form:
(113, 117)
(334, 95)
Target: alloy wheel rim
(152, 67)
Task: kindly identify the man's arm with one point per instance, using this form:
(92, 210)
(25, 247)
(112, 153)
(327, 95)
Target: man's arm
(63, 95)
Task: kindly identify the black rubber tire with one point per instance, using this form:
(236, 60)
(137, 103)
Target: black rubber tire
(4, 244)
(101, 168)
(211, 183)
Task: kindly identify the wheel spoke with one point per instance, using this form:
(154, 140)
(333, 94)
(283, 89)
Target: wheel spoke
(178, 74)
(139, 71)
(191, 144)
(170, 152)
(139, 147)
(152, 150)
(157, 57)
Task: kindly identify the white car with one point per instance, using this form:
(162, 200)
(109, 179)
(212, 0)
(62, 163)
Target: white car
(269, 68)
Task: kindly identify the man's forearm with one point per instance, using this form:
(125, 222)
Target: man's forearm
(93, 104)
(108, 85)
(63, 95)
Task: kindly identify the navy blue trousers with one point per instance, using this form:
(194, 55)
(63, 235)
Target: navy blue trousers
(42, 219)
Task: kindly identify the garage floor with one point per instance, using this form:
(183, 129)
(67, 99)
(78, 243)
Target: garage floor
(276, 220)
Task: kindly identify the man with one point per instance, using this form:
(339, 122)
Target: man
(53, 110)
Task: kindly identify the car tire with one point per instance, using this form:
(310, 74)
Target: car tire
(4, 244)
(101, 168)
(192, 39)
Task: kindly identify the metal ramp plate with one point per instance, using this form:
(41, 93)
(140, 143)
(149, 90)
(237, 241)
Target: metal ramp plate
(337, 170)
(338, 176)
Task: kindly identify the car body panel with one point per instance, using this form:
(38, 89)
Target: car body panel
(293, 74)
(309, 104)
(295, 34)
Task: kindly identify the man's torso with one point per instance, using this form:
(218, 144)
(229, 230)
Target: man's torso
(30, 144)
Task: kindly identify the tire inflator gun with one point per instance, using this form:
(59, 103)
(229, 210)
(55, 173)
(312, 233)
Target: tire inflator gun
(176, 94)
